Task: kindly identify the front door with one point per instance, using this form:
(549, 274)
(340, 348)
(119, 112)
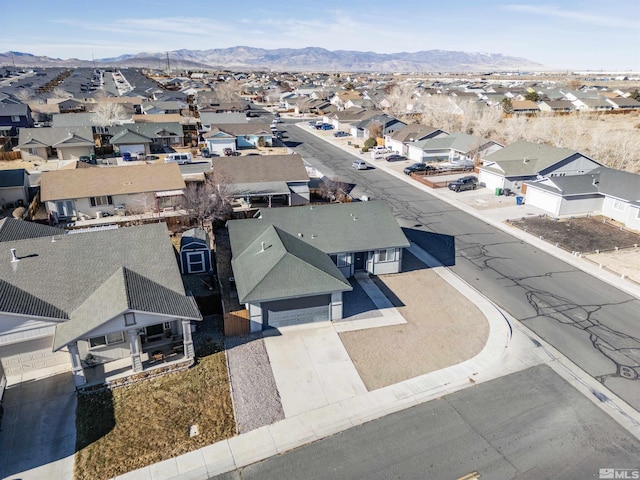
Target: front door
(360, 258)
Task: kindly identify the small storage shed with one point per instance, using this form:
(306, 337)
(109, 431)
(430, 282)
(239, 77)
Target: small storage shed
(195, 256)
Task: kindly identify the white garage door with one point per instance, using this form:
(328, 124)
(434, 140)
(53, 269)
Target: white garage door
(490, 180)
(541, 199)
(297, 311)
(132, 149)
(32, 355)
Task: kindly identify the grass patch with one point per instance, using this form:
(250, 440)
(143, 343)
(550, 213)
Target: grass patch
(131, 427)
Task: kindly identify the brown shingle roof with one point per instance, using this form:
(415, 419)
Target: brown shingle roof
(261, 168)
(92, 182)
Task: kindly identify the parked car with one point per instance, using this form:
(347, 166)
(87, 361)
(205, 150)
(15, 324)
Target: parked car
(464, 183)
(228, 152)
(277, 120)
(88, 159)
(341, 134)
(395, 158)
(325, 126)
(359, 165)
(179, 158)
(418, 167)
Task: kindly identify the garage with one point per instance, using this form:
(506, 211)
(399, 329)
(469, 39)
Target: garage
(283, 313)
(132, 149)
(544, 200)
(31, 355)
(490, 180)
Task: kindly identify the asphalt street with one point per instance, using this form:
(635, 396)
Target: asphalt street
(527, 425)
(592, 323)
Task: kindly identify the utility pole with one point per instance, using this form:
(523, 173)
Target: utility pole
(168, 65)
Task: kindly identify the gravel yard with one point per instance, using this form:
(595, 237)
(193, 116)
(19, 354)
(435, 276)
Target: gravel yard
(255, 394)
(443, 328)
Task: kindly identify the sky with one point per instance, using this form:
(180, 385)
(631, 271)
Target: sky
(561, 34)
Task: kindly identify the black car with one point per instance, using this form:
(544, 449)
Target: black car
(418, 167)
(341, 134)
(464, 183)
(395, 158)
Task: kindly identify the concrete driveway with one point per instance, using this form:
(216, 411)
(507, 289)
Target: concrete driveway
(311, 367)
(38, 435)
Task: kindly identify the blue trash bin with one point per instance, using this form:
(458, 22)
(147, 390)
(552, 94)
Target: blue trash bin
(519, 200)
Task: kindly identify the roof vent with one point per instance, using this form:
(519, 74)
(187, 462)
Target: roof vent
(300, 234)
(14, 256)
(525, 159)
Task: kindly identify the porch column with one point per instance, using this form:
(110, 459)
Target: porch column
(76, 366)
(189, 351)
(336, 306)
(269, 197)
(136, 350)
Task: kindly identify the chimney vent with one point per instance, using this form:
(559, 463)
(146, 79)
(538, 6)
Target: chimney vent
(14, 256)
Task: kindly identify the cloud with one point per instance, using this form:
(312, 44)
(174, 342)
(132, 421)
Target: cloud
(582, 17)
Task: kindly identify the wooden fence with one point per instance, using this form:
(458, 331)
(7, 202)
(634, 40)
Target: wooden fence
(10, 156)
(236, 323)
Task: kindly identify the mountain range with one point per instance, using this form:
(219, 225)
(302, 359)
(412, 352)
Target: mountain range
(292, 59)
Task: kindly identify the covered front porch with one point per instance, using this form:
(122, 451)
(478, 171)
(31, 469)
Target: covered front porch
(147, 352)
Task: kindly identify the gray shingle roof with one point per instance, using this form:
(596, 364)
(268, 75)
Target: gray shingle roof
(52, 135)
(333, 228)
(275, 264)
(461, 142)
(12, 229)
(69, 273)
(124, 291)
(526, 158)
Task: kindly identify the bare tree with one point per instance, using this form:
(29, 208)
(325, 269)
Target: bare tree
(375, 130)
(210, 200)
(60, 93)
(24, 94)
(107, 114)
(228, 91)
(334, 189)
(401, 99)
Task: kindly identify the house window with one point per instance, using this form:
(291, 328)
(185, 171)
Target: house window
(638, 213)
(342, 260)
(33, 151)
(99, 201)
(387, 255)
(129, 319)
(109, 339)
(15, 118)
(618, 205)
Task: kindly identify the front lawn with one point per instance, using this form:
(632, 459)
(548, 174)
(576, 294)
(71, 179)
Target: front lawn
(131, 427)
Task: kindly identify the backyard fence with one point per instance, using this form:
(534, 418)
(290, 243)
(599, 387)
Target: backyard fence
(10, 156)
(236, 323)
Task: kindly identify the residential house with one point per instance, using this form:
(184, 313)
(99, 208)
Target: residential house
(291, 265)
(209, 120)
(604, 191)
(266, 179)
(598, 104)
(621, 103)
(14, 189)
(110, 294)
(414, 132)
(556, 106)
(384, 123)
(56, 143)
(458, 148)
(343, 120)
(84, 193)
(247, 135)
(524, 161)
(14, 117)
(524, 107)
(146, 138)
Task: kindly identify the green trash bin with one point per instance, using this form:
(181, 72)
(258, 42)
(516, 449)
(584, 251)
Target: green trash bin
(498, 191)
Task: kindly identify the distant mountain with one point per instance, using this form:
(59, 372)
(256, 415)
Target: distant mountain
(294, 59)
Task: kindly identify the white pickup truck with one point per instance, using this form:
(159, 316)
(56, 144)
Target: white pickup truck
(380, 152)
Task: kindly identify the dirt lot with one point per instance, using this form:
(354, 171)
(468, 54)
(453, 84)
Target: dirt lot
(624, 262)
(443, 328)
(584, 234)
